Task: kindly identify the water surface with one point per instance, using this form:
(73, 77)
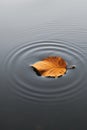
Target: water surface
(31, 30)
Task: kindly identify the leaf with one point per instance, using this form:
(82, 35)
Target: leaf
(53, 66)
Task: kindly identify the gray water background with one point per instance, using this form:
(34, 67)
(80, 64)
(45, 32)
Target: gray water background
(29, 31)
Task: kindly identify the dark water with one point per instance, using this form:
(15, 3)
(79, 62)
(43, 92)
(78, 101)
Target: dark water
(29, 31)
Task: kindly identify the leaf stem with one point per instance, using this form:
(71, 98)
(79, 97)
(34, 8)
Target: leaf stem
(71, 67)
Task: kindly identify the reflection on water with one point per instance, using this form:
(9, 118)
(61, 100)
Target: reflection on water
(29, 31)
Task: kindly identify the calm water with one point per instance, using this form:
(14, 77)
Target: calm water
(29, 31)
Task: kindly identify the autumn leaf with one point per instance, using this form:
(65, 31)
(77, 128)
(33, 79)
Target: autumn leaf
(53, 66)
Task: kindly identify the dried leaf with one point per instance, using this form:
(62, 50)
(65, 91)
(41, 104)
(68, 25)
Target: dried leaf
(53, 66)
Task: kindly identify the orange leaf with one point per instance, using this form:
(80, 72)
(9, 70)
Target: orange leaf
(53, 66)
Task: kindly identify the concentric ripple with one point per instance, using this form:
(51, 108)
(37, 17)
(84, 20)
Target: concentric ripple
(31, 87)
